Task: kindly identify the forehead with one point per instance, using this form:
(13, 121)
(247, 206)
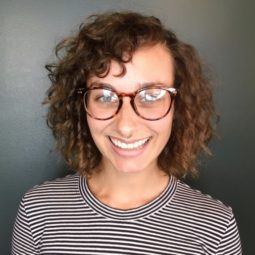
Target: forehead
(150, 64)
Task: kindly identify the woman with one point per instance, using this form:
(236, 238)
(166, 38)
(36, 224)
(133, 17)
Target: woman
(130, 109)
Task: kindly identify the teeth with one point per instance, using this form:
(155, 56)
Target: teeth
(129, 146)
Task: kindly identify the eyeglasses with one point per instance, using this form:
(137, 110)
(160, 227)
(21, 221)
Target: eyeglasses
(150, 103)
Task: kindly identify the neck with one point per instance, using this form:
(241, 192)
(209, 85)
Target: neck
(127, 190)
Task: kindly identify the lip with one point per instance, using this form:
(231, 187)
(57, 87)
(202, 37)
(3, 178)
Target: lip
(131, 152)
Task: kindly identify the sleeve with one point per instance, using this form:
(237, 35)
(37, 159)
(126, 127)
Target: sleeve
(22, 238)
(230, 243)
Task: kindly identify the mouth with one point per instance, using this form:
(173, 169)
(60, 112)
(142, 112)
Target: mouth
(129, 146)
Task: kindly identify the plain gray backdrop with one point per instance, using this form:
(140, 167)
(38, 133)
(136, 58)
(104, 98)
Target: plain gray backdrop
(223, 33)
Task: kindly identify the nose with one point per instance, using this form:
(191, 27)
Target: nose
(126, 120)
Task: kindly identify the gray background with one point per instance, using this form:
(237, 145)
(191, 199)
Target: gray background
(223, 33)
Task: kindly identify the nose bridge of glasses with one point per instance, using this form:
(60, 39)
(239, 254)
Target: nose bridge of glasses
(131, 96)
(123, 94)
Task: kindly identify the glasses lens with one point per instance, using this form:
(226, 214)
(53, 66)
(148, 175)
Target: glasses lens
(153, 103)
(101, 103)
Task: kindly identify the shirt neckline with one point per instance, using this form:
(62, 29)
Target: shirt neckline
(129, 214)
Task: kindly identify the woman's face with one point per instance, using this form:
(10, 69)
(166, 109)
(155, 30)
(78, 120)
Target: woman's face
(152, 64)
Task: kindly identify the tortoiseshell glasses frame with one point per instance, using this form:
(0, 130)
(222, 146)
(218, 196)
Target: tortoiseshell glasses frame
(86, 91)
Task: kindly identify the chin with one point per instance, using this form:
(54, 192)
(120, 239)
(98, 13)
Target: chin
(129, 167)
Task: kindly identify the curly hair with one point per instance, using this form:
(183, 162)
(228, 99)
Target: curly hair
(116, 36)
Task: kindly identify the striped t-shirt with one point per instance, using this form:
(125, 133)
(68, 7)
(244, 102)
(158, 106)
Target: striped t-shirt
(64, 217)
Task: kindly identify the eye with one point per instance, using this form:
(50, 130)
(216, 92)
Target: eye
(105, 96)
(151, 95)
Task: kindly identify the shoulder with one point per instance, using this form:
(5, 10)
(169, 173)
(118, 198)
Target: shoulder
(208, 218)
(51, 190)
(199, 205)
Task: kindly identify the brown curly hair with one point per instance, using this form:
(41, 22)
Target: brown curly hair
(107, 37)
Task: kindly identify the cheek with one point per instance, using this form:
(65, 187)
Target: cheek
(95, 134)
(164, 135)
(96, 128)
(163, 130)
(93, 127)
(163, 127)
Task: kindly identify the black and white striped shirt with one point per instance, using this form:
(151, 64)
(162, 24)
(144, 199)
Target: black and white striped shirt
(63, 217)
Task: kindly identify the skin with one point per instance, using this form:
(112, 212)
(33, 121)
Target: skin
(126, 182)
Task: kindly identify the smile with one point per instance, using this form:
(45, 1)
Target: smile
(129, 146)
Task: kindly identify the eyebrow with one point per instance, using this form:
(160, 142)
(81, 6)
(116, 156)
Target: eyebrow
(141, 85)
